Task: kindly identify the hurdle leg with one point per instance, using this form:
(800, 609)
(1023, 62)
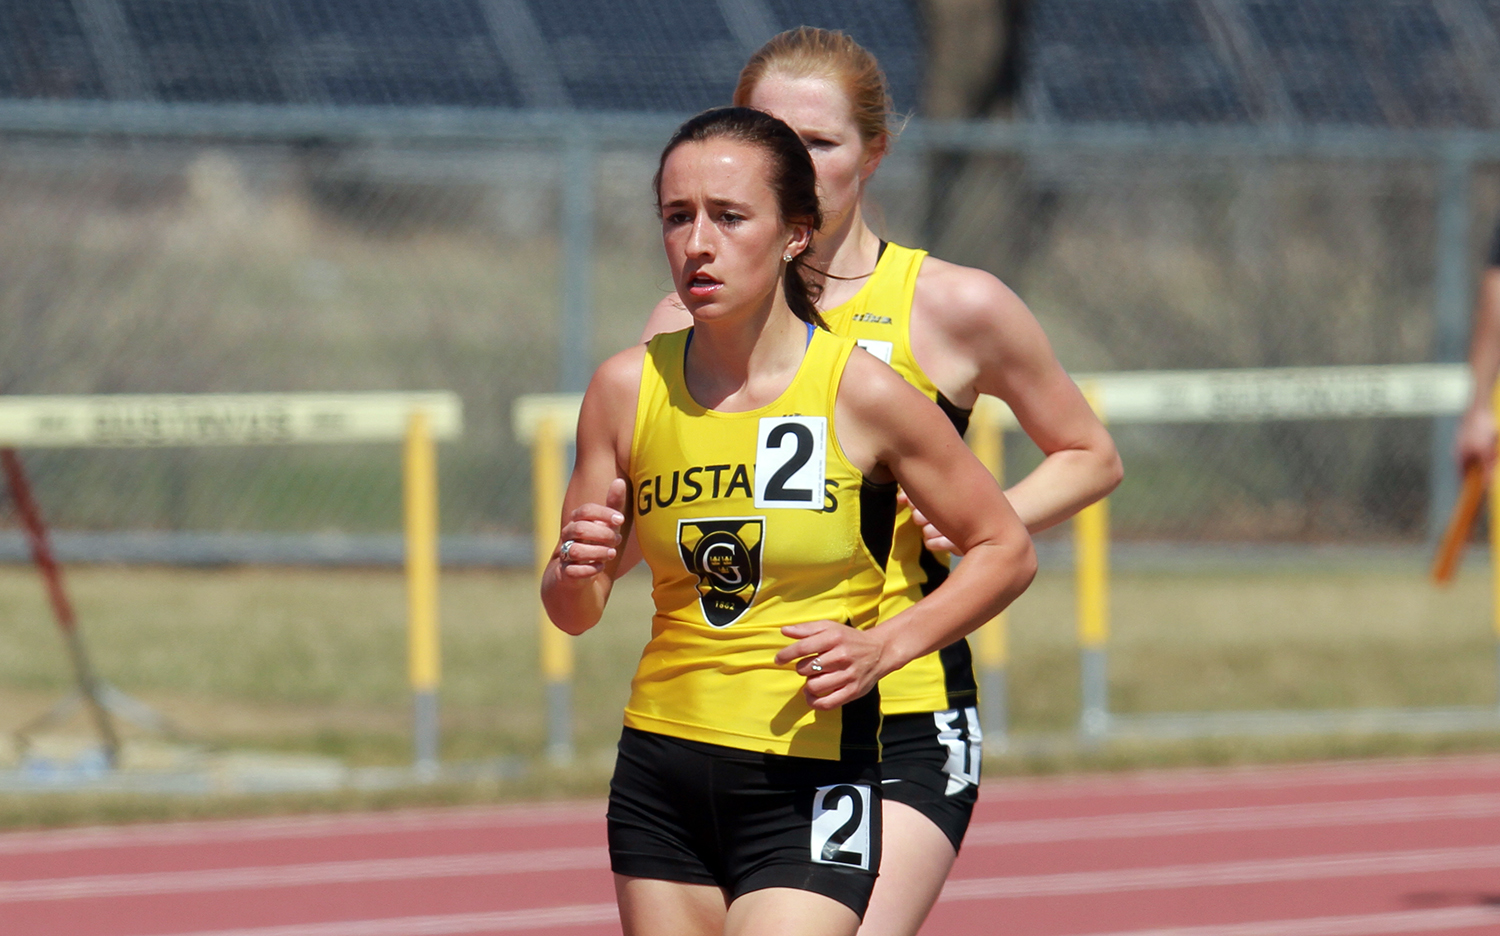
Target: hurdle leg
(556, 648)
(420, 505)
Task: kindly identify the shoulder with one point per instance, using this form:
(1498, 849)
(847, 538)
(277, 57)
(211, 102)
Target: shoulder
(959, 299)
(668, 316)
(615, 387)
(874, 394)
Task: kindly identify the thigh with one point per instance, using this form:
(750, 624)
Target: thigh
(914, 865)
(789, 912)
(805, 825)
(930, 763)
(660, 812)
(651, 907)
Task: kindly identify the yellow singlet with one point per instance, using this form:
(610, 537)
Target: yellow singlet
(749, 522)
(878, 317)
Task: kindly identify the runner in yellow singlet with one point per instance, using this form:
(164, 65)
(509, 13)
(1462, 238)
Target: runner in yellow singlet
(754, 457)
(954, 332)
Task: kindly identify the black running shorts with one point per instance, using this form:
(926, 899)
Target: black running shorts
(930, 762)
(706, 814)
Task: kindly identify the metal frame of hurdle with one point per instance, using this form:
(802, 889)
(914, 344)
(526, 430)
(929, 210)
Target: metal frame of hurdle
(545, 421)
(416, 420)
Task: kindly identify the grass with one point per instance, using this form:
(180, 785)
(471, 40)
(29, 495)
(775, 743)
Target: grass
(308, 661)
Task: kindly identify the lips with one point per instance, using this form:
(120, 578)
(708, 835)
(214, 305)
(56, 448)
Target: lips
(703, 285)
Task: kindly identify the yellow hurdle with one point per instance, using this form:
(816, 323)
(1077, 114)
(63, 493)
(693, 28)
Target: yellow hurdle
(420, 506)
(1495, 547)
(1091, 568)
(987, 438)
(556, 647)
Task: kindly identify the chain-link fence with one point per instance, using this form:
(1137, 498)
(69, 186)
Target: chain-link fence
(513, 263)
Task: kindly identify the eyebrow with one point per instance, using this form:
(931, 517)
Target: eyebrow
(715, 202)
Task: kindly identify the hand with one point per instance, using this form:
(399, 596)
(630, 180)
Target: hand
(594, 531)
(850, 661)
(935, 541)
(1476, 440)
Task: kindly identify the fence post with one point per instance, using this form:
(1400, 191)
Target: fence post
(556, 648)
(575, 334)
(1450, 307)
(988, 441)
(420, 508)
(1091, 569)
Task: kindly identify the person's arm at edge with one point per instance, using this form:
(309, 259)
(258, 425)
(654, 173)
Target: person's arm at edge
(596, 509)
(941, 476)
(1476, 433)
(979, 317)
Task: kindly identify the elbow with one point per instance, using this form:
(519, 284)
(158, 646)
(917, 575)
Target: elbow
(1018, 560)
(1109, 471)
(1024, 564)
(565, 615)
(1113, 471)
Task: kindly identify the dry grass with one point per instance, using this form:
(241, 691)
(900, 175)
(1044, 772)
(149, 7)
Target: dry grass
(313, 662)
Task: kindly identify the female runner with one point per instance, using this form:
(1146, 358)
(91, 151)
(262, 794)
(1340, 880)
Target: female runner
(755, 456)
(954, 332)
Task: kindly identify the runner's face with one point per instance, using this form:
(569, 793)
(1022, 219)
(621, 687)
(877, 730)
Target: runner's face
(722, 228)
(820, 112)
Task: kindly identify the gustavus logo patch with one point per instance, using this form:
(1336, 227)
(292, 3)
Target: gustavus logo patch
(724, 552)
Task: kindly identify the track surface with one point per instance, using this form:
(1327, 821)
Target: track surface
(1320, 850)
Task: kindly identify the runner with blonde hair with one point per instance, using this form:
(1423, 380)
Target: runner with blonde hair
(954, 332)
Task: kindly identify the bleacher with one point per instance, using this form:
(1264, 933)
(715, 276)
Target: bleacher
(631, 55)
(1394, 63)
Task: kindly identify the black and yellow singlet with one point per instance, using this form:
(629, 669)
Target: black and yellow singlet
(878, 317)
(751, 521)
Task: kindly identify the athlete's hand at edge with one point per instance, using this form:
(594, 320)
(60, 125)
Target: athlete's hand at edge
(595, 532)
(1476, 440)
(935, 540)
(852, 661)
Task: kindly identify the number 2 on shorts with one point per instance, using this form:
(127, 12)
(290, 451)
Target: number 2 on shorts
(841, 825)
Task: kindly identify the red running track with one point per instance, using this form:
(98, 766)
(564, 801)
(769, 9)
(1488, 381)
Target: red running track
(1350, 849)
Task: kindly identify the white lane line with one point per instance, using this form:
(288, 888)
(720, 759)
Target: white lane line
(330, 872)
(544, 918)
(303, 827)
(1148, 782)
(1235, 819)
(1172, 877)
(1374, 924)
(1404, 921)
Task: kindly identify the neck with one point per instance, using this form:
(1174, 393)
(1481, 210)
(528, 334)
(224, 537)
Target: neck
(848, 250)
(742, 362)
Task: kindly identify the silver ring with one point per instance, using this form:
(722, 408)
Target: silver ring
(567, 545)
(815, 666)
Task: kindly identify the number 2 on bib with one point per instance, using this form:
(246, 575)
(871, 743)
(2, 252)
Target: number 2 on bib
(841, 825)
(791, 461)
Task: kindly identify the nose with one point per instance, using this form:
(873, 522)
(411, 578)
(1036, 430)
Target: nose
(700, 239)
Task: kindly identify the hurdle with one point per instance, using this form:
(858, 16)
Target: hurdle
(417, 420)
(1141, 398)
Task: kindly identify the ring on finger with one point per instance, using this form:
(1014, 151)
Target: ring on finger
(816, 665)
(567, 546)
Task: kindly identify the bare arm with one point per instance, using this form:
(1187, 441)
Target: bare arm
(973, 331)
(884, 421)
(1476, 433)
(596, 508)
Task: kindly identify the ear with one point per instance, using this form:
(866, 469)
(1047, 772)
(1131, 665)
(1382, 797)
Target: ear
(801, 237)
(874, 153)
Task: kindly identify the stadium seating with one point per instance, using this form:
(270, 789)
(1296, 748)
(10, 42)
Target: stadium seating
(1397, 63)
(633, 55)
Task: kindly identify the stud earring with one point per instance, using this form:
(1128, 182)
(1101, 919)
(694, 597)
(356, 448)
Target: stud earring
(786, 258)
